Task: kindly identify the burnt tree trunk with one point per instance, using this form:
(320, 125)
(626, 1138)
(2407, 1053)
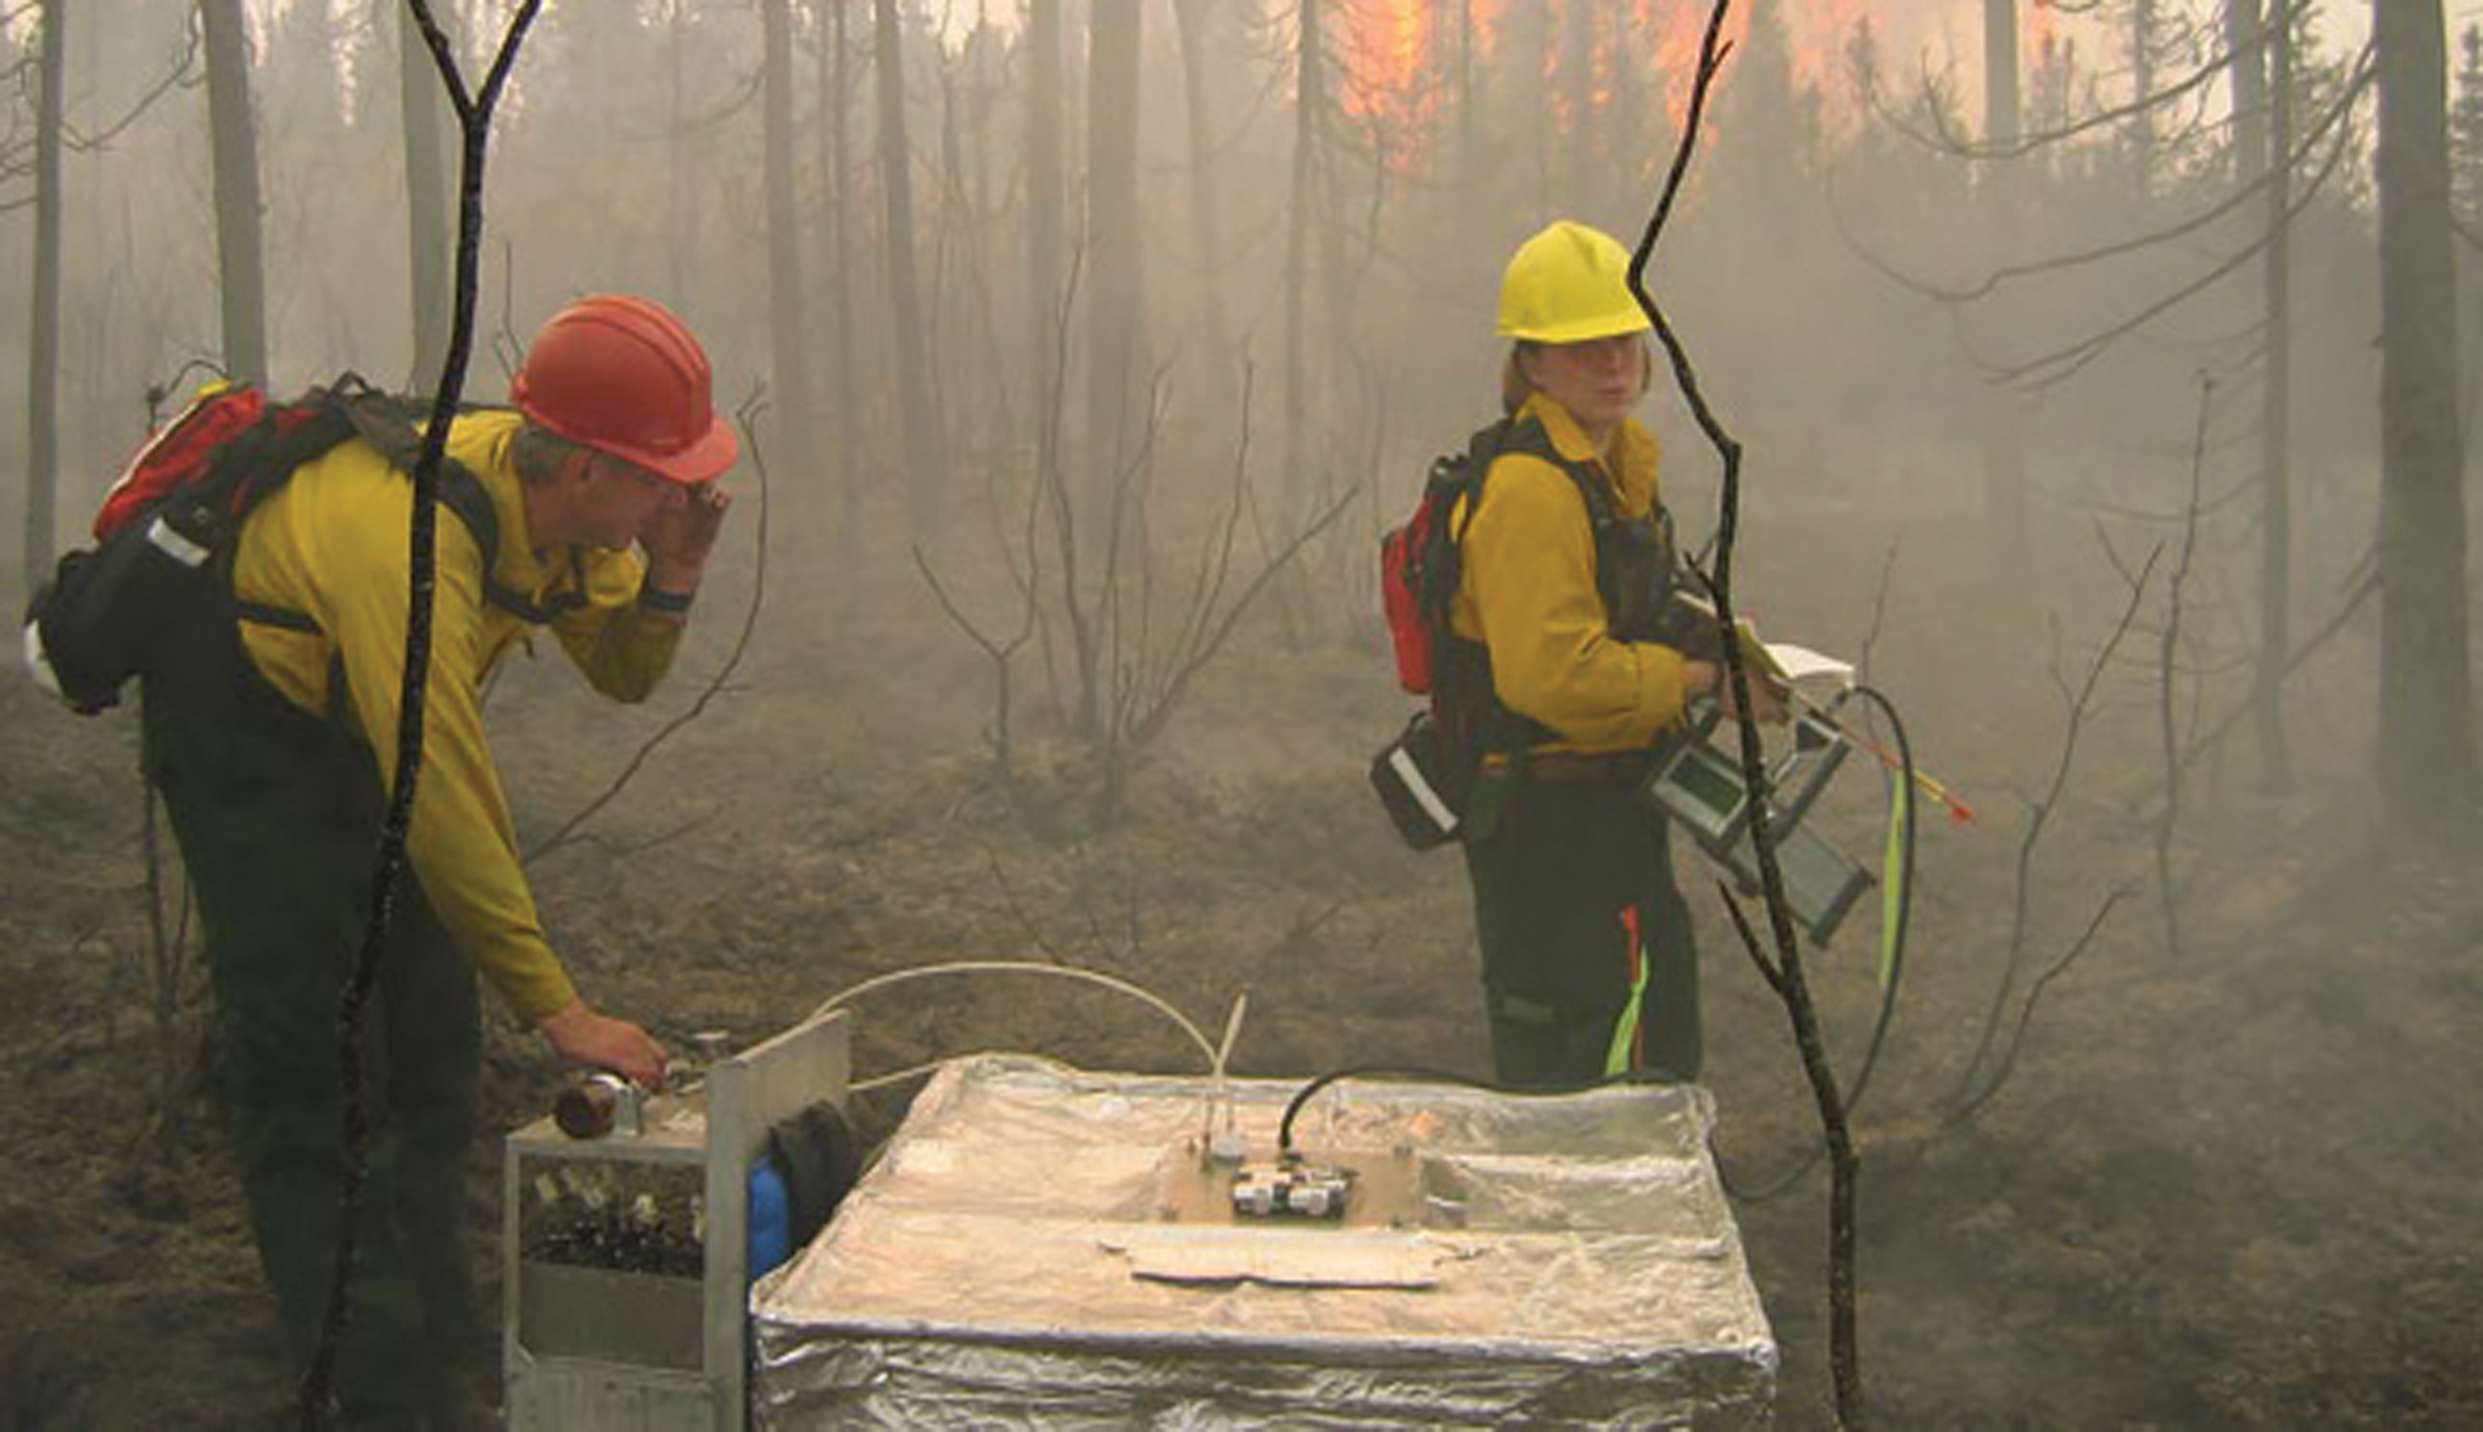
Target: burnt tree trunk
(787, 352)
(926, 464)
(1462, 96)
(2004, 433)
(680, 215)
(964, 328)
(43, 351)
(2142, 84)
(1196, 19)
(426, 201)
(1044, 188)
(2426, 745)
(1117, 378)
(2271, 69)
(1309, 106)
(840, 407)
(240, 257)
(2000, 98)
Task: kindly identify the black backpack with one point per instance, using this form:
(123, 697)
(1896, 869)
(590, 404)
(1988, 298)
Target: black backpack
(144, 598)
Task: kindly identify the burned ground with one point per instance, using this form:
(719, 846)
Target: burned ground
(2227, 1184)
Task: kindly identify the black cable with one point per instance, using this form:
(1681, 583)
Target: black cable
(1896, 954)
(1905, 892)
(1284, 1129)
(157, 393)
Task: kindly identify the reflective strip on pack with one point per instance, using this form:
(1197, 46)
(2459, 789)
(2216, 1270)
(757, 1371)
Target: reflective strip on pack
(172, 544)
(39, 662)
(1417, 786)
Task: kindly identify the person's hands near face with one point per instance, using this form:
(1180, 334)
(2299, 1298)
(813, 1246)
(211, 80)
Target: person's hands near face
(680, 534)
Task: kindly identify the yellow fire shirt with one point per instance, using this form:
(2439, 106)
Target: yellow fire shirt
(331, 544)
(1528, 593)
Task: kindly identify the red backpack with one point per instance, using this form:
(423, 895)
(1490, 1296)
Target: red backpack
(178, 455)
(1419, 567)
(134, 602)
(1422, 777)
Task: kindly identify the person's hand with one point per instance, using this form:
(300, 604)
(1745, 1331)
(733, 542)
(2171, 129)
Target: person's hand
(1770, 701)
(598, 1041)
(681, 534)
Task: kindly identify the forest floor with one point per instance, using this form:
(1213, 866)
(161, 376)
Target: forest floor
(2229, 1182)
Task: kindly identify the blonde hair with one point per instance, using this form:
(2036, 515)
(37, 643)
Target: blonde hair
(1515, 386)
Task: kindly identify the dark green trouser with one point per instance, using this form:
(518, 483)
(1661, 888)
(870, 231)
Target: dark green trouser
(1553, 881)
(278, 814)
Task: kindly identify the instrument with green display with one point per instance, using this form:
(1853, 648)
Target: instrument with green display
(1703, 789)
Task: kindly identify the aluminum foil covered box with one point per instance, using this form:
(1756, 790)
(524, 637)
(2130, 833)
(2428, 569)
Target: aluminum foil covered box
(1043, 1246)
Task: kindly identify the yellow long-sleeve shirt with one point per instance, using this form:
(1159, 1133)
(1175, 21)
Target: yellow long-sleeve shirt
(1528, 593)
(331, 545)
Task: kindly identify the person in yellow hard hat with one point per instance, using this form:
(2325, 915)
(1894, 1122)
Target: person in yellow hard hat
(599, 491)
(1561, 660)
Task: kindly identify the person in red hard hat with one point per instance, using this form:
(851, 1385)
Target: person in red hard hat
(603, 480)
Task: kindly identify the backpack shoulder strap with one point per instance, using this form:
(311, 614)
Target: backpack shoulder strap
(1635, 558)
(1526, 435)
(1482, 450)
(248, 468)
(461, 492)
(382, 421)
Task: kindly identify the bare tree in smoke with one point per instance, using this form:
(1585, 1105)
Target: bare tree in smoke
(2278, 169)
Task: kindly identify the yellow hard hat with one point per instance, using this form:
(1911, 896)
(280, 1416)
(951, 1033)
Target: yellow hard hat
(1568, 284)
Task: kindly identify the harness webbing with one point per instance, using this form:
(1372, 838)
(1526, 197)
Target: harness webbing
(379, 421)
(1469, 704)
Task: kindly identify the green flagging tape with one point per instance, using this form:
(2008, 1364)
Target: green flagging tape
(1625, 1029)
(1624, 1034)
(1892, 889)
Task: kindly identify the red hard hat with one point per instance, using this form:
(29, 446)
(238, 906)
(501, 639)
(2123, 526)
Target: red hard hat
(622, 375)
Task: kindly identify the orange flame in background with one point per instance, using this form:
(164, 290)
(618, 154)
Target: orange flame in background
(1385, 46)
(1392, 52)
(1390, 77)
(1816, 34)
(2041, 23)
(1486, 26)
(1820, 31)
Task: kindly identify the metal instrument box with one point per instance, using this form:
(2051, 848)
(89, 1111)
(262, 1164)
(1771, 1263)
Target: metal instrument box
(625, 1258)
